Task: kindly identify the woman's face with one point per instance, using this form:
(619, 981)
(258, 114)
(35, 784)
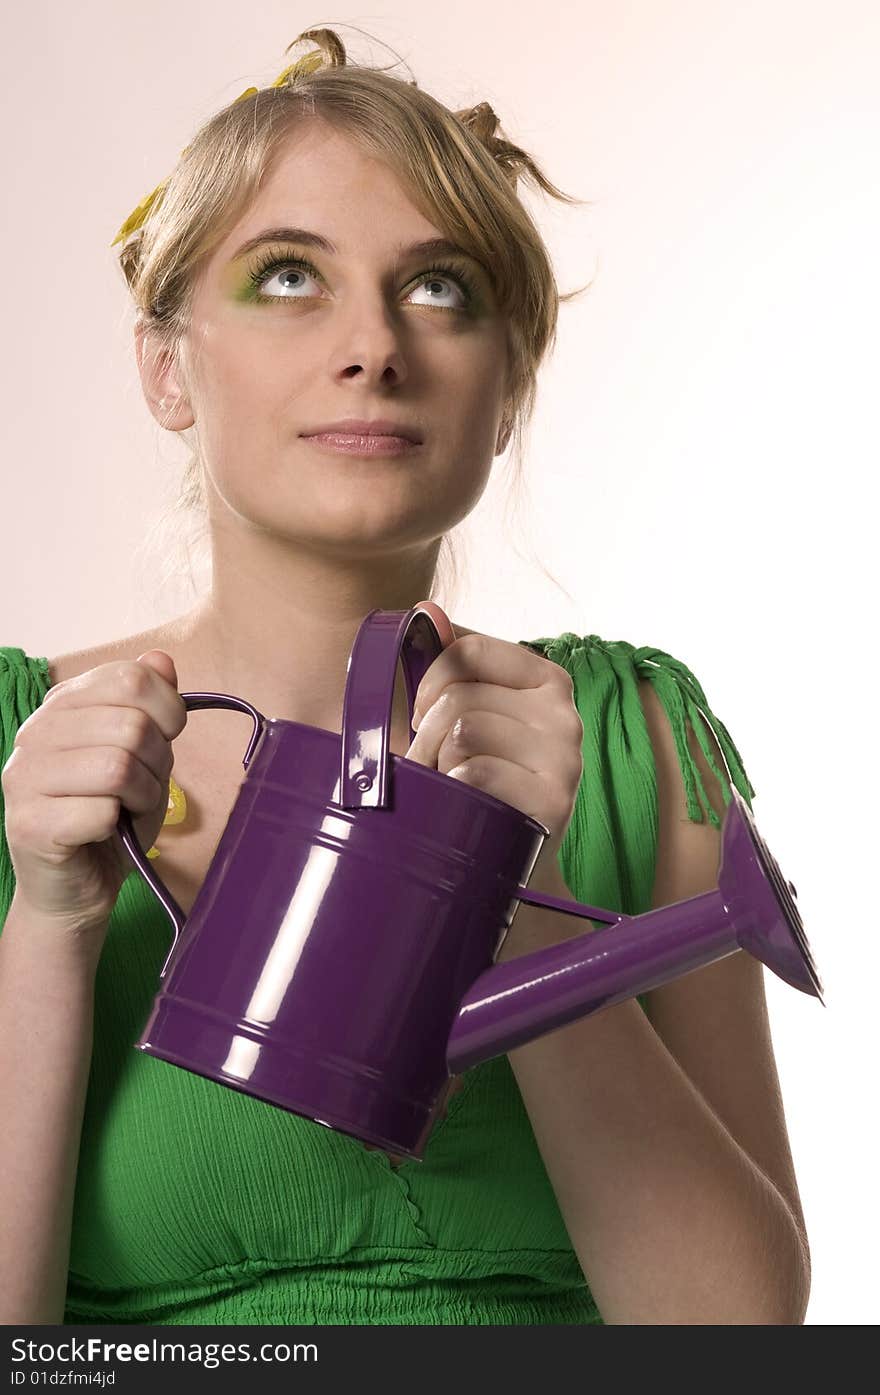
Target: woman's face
(277, 349)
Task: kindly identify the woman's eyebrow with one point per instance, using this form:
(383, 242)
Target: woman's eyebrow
(433, 246)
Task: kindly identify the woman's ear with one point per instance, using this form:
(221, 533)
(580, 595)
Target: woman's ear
(161, 380)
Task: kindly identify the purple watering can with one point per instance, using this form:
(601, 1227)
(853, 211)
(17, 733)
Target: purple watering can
(338, 959)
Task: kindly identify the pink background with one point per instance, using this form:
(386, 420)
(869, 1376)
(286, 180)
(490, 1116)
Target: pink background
(700, 456)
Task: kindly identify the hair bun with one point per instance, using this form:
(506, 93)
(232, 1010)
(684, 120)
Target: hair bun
(482, 120)
(330, 53)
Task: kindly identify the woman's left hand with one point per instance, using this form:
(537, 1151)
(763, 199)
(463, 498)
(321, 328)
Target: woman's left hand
(502, 719)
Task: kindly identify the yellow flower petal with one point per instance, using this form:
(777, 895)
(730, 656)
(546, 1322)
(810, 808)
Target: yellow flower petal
(176, 803)
(309, 63)
(139, 215)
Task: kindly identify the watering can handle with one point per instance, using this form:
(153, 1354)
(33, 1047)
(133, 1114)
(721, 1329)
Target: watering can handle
(414, 638)
(125, 827)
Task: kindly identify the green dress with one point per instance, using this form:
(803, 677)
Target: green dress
(196, 1203)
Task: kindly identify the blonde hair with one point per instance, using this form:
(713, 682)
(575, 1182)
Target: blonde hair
(457, 166)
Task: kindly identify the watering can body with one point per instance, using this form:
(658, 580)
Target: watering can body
(338, 959)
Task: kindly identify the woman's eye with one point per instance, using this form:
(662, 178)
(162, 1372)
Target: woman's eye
(431, 280)
(284, 276)
(291, 278)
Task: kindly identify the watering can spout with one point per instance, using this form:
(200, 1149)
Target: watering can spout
(515, 1001)
(753, 908)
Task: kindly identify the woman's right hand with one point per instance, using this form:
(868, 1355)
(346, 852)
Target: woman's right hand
(99, 741)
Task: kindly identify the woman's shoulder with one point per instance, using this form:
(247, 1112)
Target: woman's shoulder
(23, 684)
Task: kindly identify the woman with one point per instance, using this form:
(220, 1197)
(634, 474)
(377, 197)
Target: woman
(630, 1168)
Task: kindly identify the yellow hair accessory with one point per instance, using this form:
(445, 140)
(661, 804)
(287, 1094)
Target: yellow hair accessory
(309, 63)
(176, 812)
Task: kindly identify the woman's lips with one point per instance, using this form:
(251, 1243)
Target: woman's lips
(353, 444)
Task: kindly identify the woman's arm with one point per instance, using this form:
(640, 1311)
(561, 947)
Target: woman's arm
(673, 1219)
(672, 1222)
(46, 1030)
(715, 1021)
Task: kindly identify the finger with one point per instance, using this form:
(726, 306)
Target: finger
(97, 771)
(478, 732)
(460, 697)
(501, 779)
(124, 683)
(131, 728)
(484, 658)
(554, 719)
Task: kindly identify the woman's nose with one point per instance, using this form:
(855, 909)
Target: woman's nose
(375, 353)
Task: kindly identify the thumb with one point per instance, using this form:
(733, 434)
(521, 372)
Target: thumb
(162, 663)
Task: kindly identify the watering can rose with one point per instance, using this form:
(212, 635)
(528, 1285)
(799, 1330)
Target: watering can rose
(503, 719)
